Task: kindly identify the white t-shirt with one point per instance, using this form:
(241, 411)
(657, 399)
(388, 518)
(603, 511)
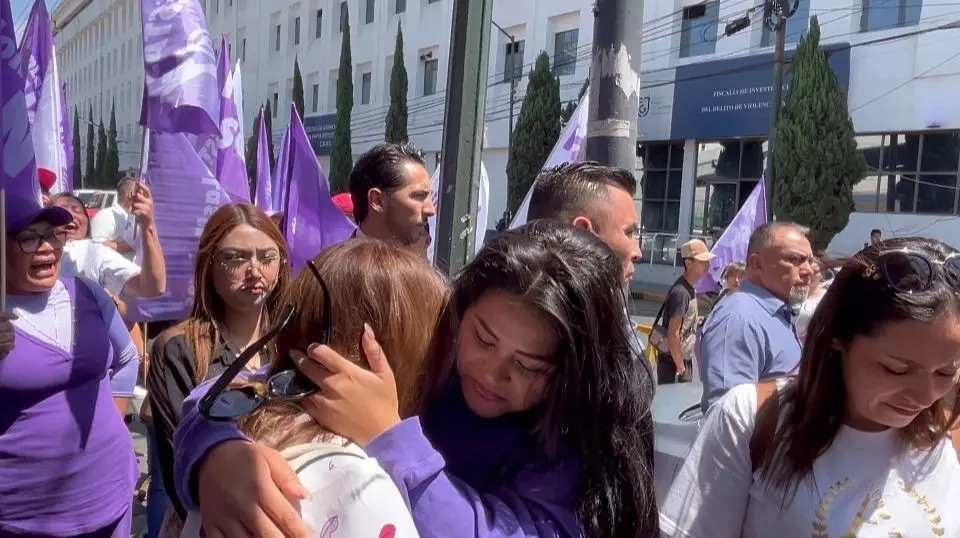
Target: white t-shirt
(83, 257)
(114, 223)
(351, 495)
(864, 485)
(802, 323)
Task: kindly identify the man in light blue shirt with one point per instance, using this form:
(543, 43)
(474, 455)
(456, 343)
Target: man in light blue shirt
(750, 335)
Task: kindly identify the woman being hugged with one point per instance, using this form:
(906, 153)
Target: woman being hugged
(532, 421)
(861, 443)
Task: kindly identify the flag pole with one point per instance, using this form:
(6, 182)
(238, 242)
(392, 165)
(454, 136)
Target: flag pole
(3, 250)
(144, 148)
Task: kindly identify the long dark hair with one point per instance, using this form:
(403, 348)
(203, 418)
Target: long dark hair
(595, 405)
(811, 410)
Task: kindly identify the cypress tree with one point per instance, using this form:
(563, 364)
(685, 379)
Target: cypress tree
(571, 106)
(341, 151)
(268, 117)
(397, 115)
(90, 178)
(111, 167)
(297, 88)
(77, 160)
(815, 159)
(100, 167)
(252, 150)
(537, 130)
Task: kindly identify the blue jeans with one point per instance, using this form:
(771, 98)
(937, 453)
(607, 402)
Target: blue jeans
(157, 500)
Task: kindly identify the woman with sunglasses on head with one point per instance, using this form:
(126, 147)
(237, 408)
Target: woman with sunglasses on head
(67, 373)
(382, 290)
(862, 442)
(120, 276)
(532, 421)
(240, 274)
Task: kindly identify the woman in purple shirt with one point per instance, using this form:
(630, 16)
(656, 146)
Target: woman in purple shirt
(67, 465)
(532, 423)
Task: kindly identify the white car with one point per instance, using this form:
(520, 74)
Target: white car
(677, 418)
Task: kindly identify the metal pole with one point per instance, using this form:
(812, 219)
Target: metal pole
(615, 83)
(513, 75)
(463, 132)
(775, 104)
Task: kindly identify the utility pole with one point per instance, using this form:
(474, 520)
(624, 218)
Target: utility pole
(615, 83)
(513, 75)
(775, 15)
(463, 122)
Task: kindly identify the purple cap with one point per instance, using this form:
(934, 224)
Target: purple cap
(22, 212)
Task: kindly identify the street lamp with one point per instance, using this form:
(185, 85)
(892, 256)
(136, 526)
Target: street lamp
(513, 75)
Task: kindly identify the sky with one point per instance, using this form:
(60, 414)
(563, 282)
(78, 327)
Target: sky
(21, 11)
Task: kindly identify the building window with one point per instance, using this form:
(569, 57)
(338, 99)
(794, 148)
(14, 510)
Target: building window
(430, 77)
(432, 1)
(401, 6)
(318, 31)
(910, 173)
(344, 16)
(698, 29)
(277, 38)
(564, 52)
(315, 98)
(661, 175)
(886, 14)
(796, 26)
(243, 49)
(296, 31)
(513, 61)
(365, 82)
(370, 8)
(276, 103)
(727, 172)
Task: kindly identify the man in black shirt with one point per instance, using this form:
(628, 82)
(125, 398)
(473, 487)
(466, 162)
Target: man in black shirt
(679, 316)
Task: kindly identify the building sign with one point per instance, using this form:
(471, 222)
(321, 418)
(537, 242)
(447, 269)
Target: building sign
(656, 105)
(731, 98)
(320, 132)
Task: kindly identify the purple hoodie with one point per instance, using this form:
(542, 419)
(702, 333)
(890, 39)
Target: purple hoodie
(461, 475)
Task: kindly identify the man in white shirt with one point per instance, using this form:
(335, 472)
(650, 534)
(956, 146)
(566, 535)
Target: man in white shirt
(115, 226)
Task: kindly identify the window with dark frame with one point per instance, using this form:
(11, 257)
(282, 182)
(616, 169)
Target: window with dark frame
(366, 81)
(400, 7)
(887, 14)
(370, 10)
(513, 61)
(698, 29)
(318, 24)
(296, 31)
(315, 98)
(277, 38)
(344, 16)
(565, 52)
(660, 176)
(430, 77)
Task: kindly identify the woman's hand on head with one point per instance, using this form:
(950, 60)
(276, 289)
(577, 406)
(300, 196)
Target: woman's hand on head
(353, 402)
(246, 490)
(7, 334)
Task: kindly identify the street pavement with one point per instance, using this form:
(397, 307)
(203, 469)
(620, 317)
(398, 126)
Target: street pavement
(641, 312)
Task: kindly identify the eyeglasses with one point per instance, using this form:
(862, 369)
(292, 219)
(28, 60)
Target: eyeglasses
(225, 404)
(912, 272)
(30, 243)
(236, 264)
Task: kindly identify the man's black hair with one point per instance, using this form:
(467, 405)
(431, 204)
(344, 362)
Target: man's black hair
(564, 191)
(380, 168)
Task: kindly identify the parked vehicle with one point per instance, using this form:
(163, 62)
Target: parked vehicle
(96, 199)
(676, 418)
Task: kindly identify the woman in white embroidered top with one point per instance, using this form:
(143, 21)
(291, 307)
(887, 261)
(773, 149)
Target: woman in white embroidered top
(378, 289)
(861, 443)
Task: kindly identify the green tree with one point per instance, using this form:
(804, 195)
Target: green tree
(90, 178)
(815, 158)
(397, 115)
(538, 129)
(77, 160)
(100, 170)
(111, 166)
(268, 117)
(571, 106)
(297, 88)
(252, 150)
(341, 150)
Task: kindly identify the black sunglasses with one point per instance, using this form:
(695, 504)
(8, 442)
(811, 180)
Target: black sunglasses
(907, 271)
(223, 404)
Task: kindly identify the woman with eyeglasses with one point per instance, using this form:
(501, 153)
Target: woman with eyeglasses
(380, 289)
(67, 373)
(863, 441)
(532, 420)
(239, 276)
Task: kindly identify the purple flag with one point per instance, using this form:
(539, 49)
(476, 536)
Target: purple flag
(46, 109)
(313, 221)
(732, 245)
(231, 167)
(185, 194)
(66, 138)
(18, 169)
(281, 175)
(264, 201)
(180, 83)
